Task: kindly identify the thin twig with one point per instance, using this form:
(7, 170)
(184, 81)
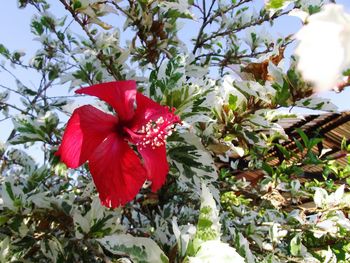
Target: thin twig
(100, 55)
(207, 19)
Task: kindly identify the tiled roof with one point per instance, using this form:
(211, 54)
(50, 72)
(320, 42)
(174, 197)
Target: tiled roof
(333, 127)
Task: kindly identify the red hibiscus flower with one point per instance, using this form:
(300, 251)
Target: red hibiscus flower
(104, 141)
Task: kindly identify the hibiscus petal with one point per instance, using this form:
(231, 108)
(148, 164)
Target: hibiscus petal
(156, 165)
(85, 130)
(146, 110)
(117, 171)
(120, 95)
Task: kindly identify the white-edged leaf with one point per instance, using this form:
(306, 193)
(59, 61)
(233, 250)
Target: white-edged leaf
(5, 251)
(216, 251)
(320, 197)
(184, 235)
(51, 248)
(317, 103)
(139, 249)
(208, 226)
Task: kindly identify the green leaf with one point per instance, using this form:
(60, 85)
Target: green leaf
(303, 136)
(275, 4)
(232, 102)
(47, 22)
(313, 9)
(295, 246)
(76, 4)
(282, 93)
(299, 145)
(9, 191)
(53, 73)
(267, 168)
(4, 51)
(37, 28)
(343, 146)
(313, 142)
(284, 151)
(60, 35)
(346, 72)
(3, 220)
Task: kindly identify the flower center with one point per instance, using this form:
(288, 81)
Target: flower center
(156, 132)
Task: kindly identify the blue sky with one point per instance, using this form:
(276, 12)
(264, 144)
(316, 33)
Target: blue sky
(15, 34)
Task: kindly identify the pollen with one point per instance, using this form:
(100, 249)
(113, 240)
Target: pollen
(155, 132)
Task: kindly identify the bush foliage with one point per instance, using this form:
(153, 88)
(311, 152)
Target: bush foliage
(230, 82)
